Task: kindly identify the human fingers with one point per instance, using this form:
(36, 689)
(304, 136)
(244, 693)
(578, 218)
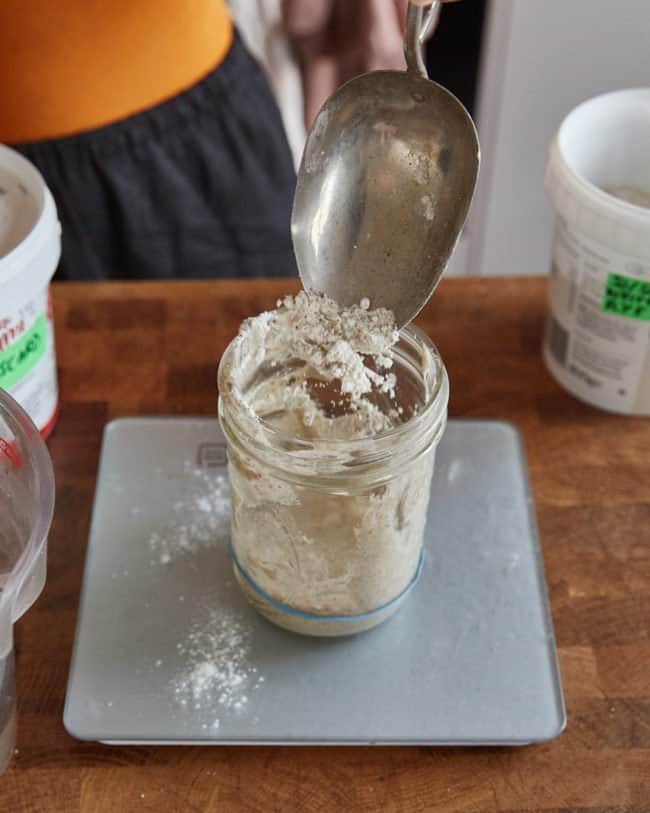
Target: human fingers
(384, 31)
(306, 18)
(320, 78)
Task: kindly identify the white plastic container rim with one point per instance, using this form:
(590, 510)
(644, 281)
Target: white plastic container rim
(580, 168)
(31, 264)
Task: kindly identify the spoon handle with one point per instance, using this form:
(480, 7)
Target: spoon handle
(418, 26)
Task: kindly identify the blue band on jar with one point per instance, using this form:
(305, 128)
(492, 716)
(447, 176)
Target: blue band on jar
(327, 618)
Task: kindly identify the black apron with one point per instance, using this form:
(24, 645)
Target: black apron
(199, 186)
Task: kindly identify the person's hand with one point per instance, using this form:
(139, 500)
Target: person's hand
(335, 40)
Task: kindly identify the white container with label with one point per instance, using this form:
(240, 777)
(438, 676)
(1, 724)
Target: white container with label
(30, 247)
(597, 337)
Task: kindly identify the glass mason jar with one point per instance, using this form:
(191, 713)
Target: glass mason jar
(327, 534)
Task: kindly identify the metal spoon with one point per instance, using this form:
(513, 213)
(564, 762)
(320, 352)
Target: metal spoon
(384, 186)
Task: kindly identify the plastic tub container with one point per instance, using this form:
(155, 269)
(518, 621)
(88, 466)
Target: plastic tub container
(26, 506)
(327, 534)
(30, 247)
(597, 337)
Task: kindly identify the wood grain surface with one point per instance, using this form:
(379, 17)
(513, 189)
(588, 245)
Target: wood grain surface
(127, 348)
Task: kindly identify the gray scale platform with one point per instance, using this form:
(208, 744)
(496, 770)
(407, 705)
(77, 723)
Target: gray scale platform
(469, 660)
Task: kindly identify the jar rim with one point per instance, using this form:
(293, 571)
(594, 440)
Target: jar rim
(363, 450)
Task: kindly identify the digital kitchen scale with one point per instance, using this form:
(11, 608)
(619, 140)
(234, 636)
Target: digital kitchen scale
(168, 651)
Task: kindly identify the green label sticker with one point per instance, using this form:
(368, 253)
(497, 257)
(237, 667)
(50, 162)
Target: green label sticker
(625, 296)
(16, 361)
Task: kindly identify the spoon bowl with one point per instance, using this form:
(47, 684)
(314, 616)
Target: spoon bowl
(384, 187)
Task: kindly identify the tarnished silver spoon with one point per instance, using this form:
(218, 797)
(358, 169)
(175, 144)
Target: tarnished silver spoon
(385, 183)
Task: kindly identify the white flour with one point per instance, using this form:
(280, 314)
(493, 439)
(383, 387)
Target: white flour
(202, 519)
(317, 363)
(218, 674)
(338, 379)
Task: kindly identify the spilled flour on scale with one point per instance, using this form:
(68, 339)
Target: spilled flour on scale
(201, 519)
(218, 674)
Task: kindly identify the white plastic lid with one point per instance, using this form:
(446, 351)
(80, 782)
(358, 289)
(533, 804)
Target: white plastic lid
(604, 143)
(30, 265)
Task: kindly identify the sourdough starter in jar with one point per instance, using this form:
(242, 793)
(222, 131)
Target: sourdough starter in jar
(332, 419)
